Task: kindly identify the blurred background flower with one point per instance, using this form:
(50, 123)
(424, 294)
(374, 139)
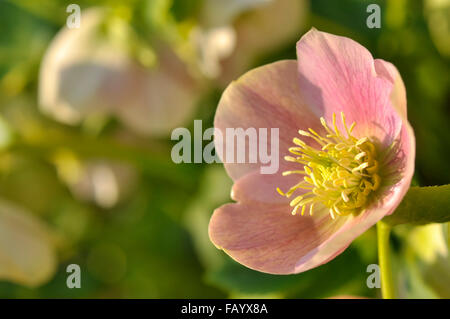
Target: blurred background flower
(232, 34)
(85, 120)
(91, 70)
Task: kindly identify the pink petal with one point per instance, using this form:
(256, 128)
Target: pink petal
(266, 97)
(398, 94)
(338, 74)
(268, 238)
(256, 187)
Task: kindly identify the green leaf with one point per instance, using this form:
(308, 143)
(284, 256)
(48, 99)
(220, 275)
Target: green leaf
(423, 205)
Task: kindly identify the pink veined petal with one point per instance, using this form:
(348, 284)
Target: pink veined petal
(256, 187)
(338, 74)
(266, 97)
(268, 238)
(398, 94)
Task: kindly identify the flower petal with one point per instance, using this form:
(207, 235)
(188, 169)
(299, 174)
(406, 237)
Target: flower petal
(268, 238)
(75, 71)
(398, 94)
(256, 187)
(156, 100)
(27, 247)
(338, 74)
(266, 97)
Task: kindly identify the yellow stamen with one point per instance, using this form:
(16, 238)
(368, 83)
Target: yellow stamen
(341, 175)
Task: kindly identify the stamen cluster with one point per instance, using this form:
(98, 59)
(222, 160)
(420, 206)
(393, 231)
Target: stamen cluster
(340, 175)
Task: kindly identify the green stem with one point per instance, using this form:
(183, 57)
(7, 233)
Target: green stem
(384, 260)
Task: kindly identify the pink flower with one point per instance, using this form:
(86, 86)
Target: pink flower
(337, 179)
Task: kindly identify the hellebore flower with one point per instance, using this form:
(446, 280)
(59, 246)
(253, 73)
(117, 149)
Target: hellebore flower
(348, 148)
(228, 38)
(87, 71)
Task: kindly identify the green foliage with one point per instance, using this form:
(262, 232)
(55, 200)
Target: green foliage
(423, 205)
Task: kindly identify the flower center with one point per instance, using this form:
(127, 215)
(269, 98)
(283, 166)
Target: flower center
(340, 174)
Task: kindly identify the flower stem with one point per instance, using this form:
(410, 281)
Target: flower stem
(384, 260)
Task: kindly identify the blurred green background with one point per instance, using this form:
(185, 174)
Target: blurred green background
(86, 116)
